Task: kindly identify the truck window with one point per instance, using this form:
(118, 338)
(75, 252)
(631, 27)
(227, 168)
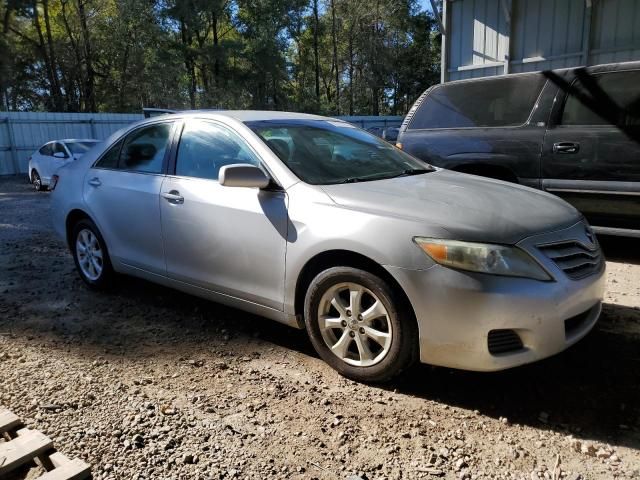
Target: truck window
(496, 102)
(621, 87)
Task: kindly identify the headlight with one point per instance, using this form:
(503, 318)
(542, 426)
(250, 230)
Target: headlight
(481, 257)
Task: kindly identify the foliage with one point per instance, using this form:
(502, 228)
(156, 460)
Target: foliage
(353, 57)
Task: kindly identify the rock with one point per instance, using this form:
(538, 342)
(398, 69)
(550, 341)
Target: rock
(436, 472)
(187, 459)
(138, 441)
(460, 464)
(588, 449)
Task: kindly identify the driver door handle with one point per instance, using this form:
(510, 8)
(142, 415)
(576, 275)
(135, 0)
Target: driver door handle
(95, 182)
(566, 147)
(173, 196)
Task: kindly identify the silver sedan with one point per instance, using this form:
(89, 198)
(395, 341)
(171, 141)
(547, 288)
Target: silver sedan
(312, 222)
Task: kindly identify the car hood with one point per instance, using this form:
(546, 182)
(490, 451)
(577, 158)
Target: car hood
(469, 207)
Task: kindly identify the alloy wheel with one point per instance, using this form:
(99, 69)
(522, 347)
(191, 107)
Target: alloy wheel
(89, 253)
(355, 324)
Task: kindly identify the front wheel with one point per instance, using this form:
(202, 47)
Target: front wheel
(359, 325)
(37, 181)
(90, 255)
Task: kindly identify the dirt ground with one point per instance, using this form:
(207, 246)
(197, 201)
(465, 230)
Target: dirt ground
(149, 383)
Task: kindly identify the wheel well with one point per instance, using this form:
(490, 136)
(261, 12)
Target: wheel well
(343, 258)
(74, 217)
(490, 171)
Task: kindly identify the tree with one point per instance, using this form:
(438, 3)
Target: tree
(322, 56)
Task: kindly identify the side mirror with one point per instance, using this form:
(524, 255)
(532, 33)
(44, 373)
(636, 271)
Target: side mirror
(243, 175)
(59, 155)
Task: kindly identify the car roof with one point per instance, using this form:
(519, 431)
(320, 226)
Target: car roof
(242, 115)
(255, 115)
(600, 68)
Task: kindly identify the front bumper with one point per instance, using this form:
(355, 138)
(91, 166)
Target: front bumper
(456, 311)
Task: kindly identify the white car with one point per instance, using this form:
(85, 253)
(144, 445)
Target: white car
(52, 155)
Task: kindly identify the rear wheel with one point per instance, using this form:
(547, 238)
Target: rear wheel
(90, 255)
(37, 181)
(359, 326)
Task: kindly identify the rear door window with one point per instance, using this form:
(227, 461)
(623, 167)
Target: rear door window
(144, 149)
(46, 150)
(623, 90)
(110, 159)
(495, 102)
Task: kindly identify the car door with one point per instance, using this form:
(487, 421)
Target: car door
(492, 127)
(593, 162)
(229, 240)
(42, 159)
(60, 158)
(122, 190)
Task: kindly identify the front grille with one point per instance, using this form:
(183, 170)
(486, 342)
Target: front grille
(503, 341)
(574, 258)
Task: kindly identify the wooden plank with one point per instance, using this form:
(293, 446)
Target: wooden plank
(66, 469)
(22, 449)
(8, 421)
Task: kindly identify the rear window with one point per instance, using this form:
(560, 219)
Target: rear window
(496, 102)
(623, 90)
(80, 147)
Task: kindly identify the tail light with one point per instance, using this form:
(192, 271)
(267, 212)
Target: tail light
(54, 182)
(399, 145)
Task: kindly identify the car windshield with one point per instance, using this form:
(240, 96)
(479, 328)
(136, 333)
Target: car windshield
(80, 147)
(323, 152)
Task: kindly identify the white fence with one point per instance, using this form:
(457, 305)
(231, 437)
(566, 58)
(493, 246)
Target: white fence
(21, 133)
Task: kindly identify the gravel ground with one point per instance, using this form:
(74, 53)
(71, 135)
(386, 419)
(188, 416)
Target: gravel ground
(145, 382)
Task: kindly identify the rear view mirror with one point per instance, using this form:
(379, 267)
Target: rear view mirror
(243, 175)
(59, 155)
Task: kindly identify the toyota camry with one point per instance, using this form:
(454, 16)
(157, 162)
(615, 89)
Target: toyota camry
(307, 220)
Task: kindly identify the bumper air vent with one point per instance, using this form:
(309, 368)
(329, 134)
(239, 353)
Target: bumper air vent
(504, 341)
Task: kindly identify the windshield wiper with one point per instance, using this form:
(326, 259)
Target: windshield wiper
(411, 171)
(405, 173)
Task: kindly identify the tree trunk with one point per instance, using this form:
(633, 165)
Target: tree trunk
(188, 63)
(45, 55)
(73, 103)
(335, 54)
(56, 91)
(316, 26)
(216, 41)
(90, 76)
(350, 74)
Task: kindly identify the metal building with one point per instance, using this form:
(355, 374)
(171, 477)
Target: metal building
(492, 37)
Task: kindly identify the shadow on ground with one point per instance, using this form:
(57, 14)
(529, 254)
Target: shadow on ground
(620, 249)
(592, 390)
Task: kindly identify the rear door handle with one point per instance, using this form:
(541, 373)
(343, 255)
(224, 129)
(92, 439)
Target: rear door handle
(173, 197)
(566, 147)
(95, 182)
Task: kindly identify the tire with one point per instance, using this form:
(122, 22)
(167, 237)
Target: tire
(362, 359)
(37, 181)
(90, 255)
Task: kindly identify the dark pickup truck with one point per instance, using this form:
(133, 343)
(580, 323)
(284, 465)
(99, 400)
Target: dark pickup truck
(574, 133)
